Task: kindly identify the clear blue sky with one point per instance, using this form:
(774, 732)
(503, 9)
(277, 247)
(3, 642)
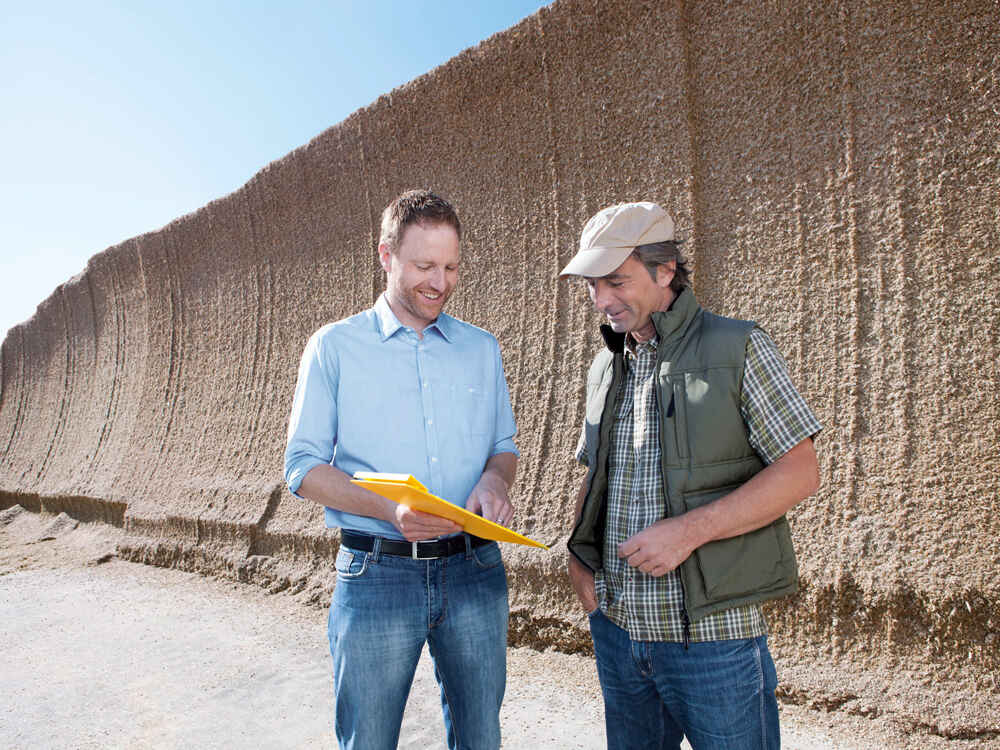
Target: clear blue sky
(118, 117)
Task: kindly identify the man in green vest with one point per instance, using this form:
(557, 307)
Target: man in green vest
(696, 444)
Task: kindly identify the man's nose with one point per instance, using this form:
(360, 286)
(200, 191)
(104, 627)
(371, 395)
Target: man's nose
(437, 279)
(599, 294)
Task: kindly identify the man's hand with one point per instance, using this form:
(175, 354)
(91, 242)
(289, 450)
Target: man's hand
(489, 499)
(768, 495)
(583, 583)
(416, 526)
(659, 548)
(331, 487)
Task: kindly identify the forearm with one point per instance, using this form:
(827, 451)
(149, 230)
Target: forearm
(767, 496)
(331, 487)
(581, 496)
(764, 498)
(503, 466)
(581, 576)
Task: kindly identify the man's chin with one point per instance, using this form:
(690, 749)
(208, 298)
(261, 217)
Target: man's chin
(618, 326)
(432, 311)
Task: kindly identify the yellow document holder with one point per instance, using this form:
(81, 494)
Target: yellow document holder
(407, 490)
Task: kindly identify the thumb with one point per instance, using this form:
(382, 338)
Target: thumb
(627, 547)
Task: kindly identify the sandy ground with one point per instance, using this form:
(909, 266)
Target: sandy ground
(101, 653)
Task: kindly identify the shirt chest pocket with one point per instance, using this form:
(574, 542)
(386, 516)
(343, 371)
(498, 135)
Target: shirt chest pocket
(469, 409)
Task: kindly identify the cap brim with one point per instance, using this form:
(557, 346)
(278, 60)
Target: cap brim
(596, 261)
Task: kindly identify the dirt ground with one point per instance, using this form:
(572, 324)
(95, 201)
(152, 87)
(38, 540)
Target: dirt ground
(102, 653)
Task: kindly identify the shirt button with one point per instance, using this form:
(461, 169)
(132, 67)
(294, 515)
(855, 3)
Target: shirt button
(434, 459)
(430, 421)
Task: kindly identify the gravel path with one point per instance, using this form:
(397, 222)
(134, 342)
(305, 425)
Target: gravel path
(100, 653)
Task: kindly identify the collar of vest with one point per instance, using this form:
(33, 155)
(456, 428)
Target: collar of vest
(674, 321)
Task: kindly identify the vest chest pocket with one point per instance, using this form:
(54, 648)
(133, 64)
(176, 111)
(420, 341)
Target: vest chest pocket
(673, 419)
(709, 409)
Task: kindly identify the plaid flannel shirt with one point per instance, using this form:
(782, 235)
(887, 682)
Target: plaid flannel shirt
(777, 418)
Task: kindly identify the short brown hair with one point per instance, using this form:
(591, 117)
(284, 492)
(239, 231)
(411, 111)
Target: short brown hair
(416, 207)
(660, 253)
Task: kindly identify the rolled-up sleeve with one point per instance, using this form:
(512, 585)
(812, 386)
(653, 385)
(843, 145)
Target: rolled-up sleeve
(506, 428)
(312, 426)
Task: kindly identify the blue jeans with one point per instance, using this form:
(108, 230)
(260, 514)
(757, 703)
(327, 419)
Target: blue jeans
(720, 694)
(384, 608)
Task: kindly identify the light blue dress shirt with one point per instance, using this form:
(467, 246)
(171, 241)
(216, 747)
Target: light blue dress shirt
(373, 396)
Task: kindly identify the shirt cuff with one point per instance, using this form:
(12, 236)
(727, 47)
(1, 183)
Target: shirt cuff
(295, 474)
(505, 446)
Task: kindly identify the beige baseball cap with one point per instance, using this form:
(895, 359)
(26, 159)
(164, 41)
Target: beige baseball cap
(613, 233)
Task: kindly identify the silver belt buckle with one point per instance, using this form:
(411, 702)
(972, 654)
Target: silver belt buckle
(414, 548)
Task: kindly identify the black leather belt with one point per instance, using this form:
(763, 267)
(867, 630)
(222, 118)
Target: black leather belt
(428, 550)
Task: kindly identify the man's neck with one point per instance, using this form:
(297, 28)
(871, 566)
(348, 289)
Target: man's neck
(405, 319)
(645, 332)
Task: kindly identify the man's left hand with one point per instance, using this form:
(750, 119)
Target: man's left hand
(659, 548)
(489, 499)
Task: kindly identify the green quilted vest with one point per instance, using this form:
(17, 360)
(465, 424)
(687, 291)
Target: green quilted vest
(705, 454)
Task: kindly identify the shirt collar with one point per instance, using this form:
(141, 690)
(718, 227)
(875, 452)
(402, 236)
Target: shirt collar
(633, 347)
(388, 323)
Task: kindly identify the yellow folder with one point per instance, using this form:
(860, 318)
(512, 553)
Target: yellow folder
(407, 490)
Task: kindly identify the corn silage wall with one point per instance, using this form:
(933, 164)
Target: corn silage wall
(835, 168)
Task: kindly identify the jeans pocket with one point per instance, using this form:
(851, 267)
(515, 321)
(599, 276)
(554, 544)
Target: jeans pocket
(351, 563)
(487, 556)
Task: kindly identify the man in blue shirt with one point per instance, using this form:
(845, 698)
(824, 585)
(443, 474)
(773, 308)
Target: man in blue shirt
(404, 388)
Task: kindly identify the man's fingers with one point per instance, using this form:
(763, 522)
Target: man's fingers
(503, 513)
(628, 547)
(414, 523)
(634, 557)
(497, 509)
(649, 564)
(439, 525)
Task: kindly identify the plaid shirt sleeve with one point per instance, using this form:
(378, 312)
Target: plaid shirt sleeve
(776, 415)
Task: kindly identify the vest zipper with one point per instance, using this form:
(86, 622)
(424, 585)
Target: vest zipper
(671, 414)
(685, 619)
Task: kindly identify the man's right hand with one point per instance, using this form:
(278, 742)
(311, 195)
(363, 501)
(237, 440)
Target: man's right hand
(583, 583)
(329, 486)
(416, 526)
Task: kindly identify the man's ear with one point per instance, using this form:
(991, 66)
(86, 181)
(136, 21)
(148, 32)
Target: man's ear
(665, 273)
(385, 257)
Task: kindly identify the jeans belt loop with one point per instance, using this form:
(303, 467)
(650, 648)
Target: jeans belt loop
(468, 546)
(413, 547)
(377, 549)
